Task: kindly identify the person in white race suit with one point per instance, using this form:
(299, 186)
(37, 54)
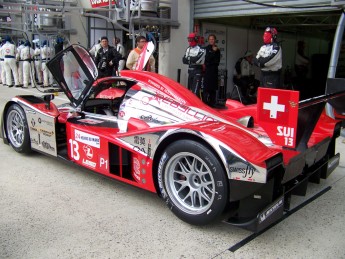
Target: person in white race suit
(10, 65)
(26, 54)
(46, 54)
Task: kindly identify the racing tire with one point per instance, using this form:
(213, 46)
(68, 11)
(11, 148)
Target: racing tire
(17, 129)
(193, 183)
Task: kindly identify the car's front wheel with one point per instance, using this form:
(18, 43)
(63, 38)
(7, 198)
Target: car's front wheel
(17, 129)
(193, 182)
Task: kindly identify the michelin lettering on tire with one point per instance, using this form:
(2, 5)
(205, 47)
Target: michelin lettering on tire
(160, 175)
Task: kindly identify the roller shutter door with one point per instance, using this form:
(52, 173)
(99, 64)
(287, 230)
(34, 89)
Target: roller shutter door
(222, 8)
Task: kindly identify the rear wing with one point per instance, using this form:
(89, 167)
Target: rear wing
(288, 121)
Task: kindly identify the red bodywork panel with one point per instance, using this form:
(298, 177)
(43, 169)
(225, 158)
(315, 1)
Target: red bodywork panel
(92, 151)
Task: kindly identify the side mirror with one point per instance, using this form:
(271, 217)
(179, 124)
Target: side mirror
(47, 98)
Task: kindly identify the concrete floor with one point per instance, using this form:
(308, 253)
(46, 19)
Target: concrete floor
(50, 209)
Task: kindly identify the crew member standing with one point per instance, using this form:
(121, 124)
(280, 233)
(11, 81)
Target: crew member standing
(269, 59)
(59, 44)
(244, 78)
(38, 63)
(46, 54)
(20, 63)
(212, 59)
(133, 56)
(26, 54)
(194, 57)
(3, 72)
(106, 59)
(95, 48)
(121, 50)
(10, 52)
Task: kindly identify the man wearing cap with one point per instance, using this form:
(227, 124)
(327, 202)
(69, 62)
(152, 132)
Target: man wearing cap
(194, 57)
(10, 52)
(269, 59)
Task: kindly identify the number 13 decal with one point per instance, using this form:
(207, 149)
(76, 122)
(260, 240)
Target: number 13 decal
(74, 146)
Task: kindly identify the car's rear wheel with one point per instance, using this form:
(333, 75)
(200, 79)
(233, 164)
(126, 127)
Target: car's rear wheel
(193, 182)
(17, 129)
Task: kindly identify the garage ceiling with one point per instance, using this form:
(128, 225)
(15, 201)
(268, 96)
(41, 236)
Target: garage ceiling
(311, 17)
(318, 24)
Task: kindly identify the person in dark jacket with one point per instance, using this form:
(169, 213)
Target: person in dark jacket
(269, 59)
(194, 57)
(107, 59)
(59, 45)
(212, 59)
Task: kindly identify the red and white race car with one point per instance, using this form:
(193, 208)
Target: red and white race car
(239, 163)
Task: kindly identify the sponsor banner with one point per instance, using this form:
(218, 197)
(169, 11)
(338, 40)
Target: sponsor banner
(101, 3)
(278, 115)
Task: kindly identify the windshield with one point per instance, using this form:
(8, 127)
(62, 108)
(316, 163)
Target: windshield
(74, 75)
(87, 60)
(75, 71)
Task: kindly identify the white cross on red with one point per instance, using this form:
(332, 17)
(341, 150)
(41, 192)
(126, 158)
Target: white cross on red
(274, 107)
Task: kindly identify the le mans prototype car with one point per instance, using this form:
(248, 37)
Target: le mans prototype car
(240, 163)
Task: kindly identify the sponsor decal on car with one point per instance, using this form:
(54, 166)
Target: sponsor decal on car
(180, 110)
(90, 121)
(34, 141)
(42, 132)
(245, 172)
(267, 213)
(88, 151)
(278, 114)
(89, 163)
(46, 145)
(122, 114)
(142, 143)
(164, 90)
(136, 168)
(160, 174)
(43, 121)
(149, 118)
(87, 138)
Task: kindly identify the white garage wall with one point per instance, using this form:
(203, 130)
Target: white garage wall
(171, 53)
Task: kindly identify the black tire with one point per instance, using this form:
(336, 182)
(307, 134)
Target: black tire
(17, 129)
(193, 182)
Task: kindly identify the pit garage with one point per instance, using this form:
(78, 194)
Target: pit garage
(239, 26)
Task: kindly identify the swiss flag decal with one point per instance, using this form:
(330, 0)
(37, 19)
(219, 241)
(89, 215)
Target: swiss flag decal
(278, 114)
